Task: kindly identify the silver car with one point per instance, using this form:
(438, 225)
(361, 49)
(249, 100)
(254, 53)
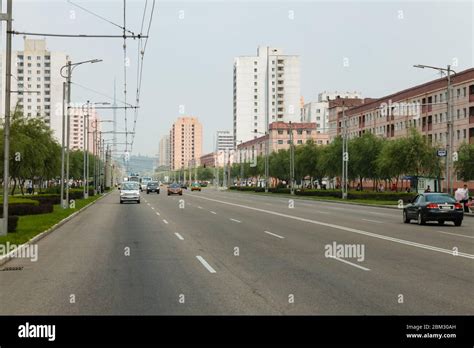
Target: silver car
(130, 191)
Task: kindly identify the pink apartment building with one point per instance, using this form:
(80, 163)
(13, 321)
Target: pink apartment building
(185, 142)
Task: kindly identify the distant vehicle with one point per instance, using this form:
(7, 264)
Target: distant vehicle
(184, 186)
(144, 180)
(204, 183)
(134, 178)
(130, 191)
(195, 186)
(175, 189)
(439, 207)
(152, 186)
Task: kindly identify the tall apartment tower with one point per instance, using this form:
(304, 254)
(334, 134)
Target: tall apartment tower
(38, 84)
(164, 151)
(318, 111)
(251, 74)
(185, 142)
(224, 140)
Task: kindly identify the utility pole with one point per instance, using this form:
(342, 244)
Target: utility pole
(69, 66)
(241, 167)
(345, 154)
(85, 136)
(451, 134)
(195, 171)
(267, 120)
(63, 146)
(87, 152)
(224, 174)
(68, 126)
(449, 177)
(6, 124)
(114, 105)
(292, 161)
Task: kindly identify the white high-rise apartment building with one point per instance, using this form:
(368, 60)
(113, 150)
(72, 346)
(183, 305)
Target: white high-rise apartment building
(36, 83)
(164, 151)
(224, 140)
(317, 111)
(250, 91)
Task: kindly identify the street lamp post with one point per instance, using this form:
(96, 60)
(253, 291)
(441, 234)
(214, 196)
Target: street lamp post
(449, 125)
(345, 154)
(70, 67)
(86, 144)
(292, 161)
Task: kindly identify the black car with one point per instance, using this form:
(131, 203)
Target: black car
(439, 207)
(153, 186)
(184, 186)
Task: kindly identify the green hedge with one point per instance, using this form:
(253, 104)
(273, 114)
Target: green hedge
(27, 209)
(370, 195)
(12, 223)
(321, 193)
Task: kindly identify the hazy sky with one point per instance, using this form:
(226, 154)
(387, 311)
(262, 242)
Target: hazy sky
(192, 44)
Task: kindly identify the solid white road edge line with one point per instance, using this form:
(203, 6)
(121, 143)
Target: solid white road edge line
(275, 235)
(378, 222)
(348, 229)
(349, 263)
(456, 234)
(205, 264)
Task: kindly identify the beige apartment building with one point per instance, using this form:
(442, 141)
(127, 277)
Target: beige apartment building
(279, 133)
(185, 143)
(423, 107)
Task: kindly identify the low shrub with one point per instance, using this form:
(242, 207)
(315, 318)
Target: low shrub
(27, 209)
(12, 223)
(321, 193)
(47, 199)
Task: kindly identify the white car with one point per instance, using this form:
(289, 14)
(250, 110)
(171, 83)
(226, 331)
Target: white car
(130, 191)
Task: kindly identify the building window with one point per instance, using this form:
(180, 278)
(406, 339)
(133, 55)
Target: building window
(280, 142)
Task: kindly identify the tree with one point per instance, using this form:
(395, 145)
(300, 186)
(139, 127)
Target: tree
(308, 161)
(408, 156)
(331, 158)
(205, 173)
(363, 154)
(279, 165)
(33, 150)
(465, 163)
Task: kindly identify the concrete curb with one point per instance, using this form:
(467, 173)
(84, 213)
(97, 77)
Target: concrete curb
(5, 258)
(330, 201)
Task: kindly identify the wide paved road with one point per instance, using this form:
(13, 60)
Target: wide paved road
(215, 252)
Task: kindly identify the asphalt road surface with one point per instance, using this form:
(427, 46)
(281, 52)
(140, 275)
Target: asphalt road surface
(215, 252)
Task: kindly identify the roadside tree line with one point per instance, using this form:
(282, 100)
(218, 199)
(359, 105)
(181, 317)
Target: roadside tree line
(36, 155)
(370, 158)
